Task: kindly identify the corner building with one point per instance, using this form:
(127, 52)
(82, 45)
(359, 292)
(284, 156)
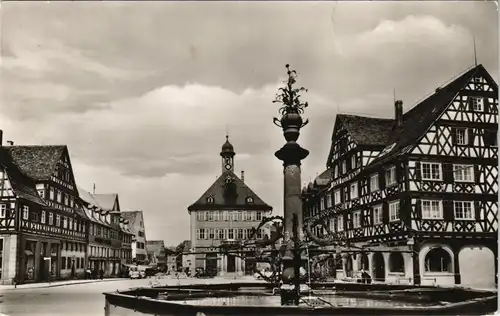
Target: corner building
(414, 199)
(226, 214)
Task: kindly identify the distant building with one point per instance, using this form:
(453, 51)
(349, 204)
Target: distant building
(414, 199)
(126, 237)
(156, 253)
(136, 226)
(104, 247)
(225, 213)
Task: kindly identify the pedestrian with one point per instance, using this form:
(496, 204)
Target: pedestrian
(88, 274)
(101, 274)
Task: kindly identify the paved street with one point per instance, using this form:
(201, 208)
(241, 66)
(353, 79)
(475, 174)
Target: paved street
(73, 300)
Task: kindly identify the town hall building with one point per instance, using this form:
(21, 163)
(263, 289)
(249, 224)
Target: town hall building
(225, 214)
(414, 199)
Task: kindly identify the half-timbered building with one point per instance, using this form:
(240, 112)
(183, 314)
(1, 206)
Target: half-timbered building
(136, 225)
(415, 198)
(45, 232)
(225, 214)
(105, 233)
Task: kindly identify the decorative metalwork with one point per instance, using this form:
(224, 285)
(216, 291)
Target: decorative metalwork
(289, 97)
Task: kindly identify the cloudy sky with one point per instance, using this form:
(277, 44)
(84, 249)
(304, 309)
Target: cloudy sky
(142, 93)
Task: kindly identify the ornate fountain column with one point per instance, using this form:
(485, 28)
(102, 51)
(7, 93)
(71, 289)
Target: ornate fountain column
(291, 154)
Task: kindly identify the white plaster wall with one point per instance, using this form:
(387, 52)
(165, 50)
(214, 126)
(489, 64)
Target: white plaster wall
(9, 258)
(69, 257)
(477, 267)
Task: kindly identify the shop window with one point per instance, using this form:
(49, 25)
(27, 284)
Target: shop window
(396, 262)
(438, 260)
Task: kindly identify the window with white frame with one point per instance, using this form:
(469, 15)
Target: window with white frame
(394, 211)
(390, 176)
(200, 216)
(225, 216)
(258, 216)
(478, 104)
(321, 203)
(337, 196)
(42, 220)
(463, 173)
(66, 199)
(374, 184)
(332, 224)
(461, 136)
(354, 190)
(26, 212)
(239, 216)
(65, 222)
(340, 223)
(464, 210)
(221, 234)
(58, 220)
(59, 196)
(353, 161)
(3, 210)
(378, 216)
(51, 218)
(432, 209)
(211, 233)
(335, 172)
(230, 233)
(344, 167)
(356, 219)
(201, 233)
(431, 171)
(51, 194)
(329, 200)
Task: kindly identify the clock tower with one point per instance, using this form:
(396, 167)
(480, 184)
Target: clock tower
(227, 153)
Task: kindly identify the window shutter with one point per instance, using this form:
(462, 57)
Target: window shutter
(453, 135)
(385, 212)
(477, 173)
(448, 210)
(418, 209)
(486, 105)
(381, 179)
(469, 103)
(477, 210)
(405, 211)
(448, 173)
(418, 173)
(398, 172)
(470, 136)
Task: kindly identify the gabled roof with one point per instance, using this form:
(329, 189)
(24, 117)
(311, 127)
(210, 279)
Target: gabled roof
(106, 201)
(366, 130)
(23, 186)
(324, 178)
(216, 191)
(37, 162)
(153, 246)
(421, 117)
(86, 197)
(131, 216)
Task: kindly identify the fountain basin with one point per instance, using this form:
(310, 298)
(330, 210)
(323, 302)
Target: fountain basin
(257, 299)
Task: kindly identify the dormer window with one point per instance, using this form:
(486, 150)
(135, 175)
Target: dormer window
(249, 200)
(210, 200)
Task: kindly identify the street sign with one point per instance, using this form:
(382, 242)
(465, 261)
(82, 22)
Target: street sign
(46, 258)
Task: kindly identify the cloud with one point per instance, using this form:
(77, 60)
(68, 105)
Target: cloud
(143, 93)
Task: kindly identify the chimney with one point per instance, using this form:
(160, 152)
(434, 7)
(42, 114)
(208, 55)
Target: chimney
(10, 143)
(242, 175)
(398, 113)
(1, 136)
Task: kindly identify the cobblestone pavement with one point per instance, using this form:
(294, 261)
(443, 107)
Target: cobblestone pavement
(84, 299)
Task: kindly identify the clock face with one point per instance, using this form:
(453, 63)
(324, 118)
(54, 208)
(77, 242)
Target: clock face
(228, 166)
